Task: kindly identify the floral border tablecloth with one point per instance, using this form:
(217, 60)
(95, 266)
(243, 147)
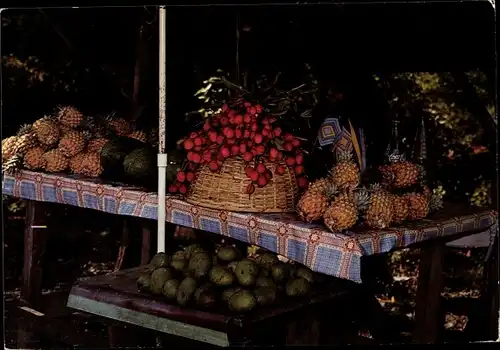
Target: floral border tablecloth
(333, 254)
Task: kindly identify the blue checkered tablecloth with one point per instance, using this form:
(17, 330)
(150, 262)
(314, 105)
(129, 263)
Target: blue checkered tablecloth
(309, 244)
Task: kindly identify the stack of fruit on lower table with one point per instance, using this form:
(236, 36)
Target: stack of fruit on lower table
(194, 277)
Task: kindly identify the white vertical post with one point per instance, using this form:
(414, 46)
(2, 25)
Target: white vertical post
(162, 156)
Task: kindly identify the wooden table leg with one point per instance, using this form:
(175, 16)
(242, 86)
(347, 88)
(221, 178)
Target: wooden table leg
(145, 246)
(428, 312)
(124, 241)
(35, 239)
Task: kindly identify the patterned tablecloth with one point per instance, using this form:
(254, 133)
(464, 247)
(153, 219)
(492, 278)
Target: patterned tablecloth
(333, 254)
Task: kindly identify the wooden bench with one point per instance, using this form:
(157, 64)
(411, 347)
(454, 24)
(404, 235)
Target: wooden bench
(289, 321)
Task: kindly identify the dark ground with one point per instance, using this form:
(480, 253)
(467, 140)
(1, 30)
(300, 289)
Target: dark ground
(81, 249)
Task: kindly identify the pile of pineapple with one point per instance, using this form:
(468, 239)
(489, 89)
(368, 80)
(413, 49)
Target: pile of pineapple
(342, 202)
(65, 141)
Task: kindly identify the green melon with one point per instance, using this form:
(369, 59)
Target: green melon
(140, 164)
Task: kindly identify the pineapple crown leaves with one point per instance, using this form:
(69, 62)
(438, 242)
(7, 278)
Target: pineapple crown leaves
(345, 156)
(436, 201)
(362, 198)
(24, 129)
(12, 165)
(375, 187)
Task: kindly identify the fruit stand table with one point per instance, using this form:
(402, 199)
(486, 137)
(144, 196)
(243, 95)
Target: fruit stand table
(337, 255)
(115, 296)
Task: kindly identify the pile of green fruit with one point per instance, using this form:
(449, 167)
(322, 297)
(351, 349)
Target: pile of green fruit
(197, 277)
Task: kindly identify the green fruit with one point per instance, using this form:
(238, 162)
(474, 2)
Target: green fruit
(144, 282)
(158, 279)
(265, 295)
(266, 259)
(190, 250)
(242, 301)
(263, 281)
(113, 153)
(170, 288)
(297, 287)
(246, 272)
(179, 255)
(186, 290)
(305, 273)
(228, 254)
(160, 260)
(204, 296)
(200, 265)
(280, 272)
(232, 266)
(179, 265)
(228, 293)
(221, 276)
(140, 163)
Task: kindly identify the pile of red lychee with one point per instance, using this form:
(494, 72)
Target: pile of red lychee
(242, 130)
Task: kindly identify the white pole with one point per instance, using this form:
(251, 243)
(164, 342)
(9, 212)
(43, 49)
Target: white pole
(162, 156)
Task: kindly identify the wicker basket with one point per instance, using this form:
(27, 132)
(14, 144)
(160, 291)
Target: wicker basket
(226, 190)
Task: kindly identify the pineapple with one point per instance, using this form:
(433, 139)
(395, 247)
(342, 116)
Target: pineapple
(345, 174)
(70, 117)
(400, 209)
(379, 213)
(72, 143)
(313, 204)
(8, 148)
(33, 159)
(418, 205)
(139, 135)
(401, 174)
(96, 144)
(320, 185)
(344, 211)
(119, 125)
(55, 161)
(64, 129)
(25, 142)
(47, 131)
(91, 164)
(76, 162)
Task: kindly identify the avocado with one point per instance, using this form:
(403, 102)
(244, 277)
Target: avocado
(228, 292)
(158, 278)
(297, 287)
(204, 296)
(200, 265)
(186, 290)
(265, 295)
(221, 276)
(280, 272)
(144, 282)
(305, 273)
(246, 272)
(178, 264)
(170, 288)
(242, 301)
(160, 260)
(228, 254)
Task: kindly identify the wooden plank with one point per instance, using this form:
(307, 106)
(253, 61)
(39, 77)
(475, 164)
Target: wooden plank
(160, 324)
(119, 292)
(428, 313)
(35, 239)
(145, 245)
